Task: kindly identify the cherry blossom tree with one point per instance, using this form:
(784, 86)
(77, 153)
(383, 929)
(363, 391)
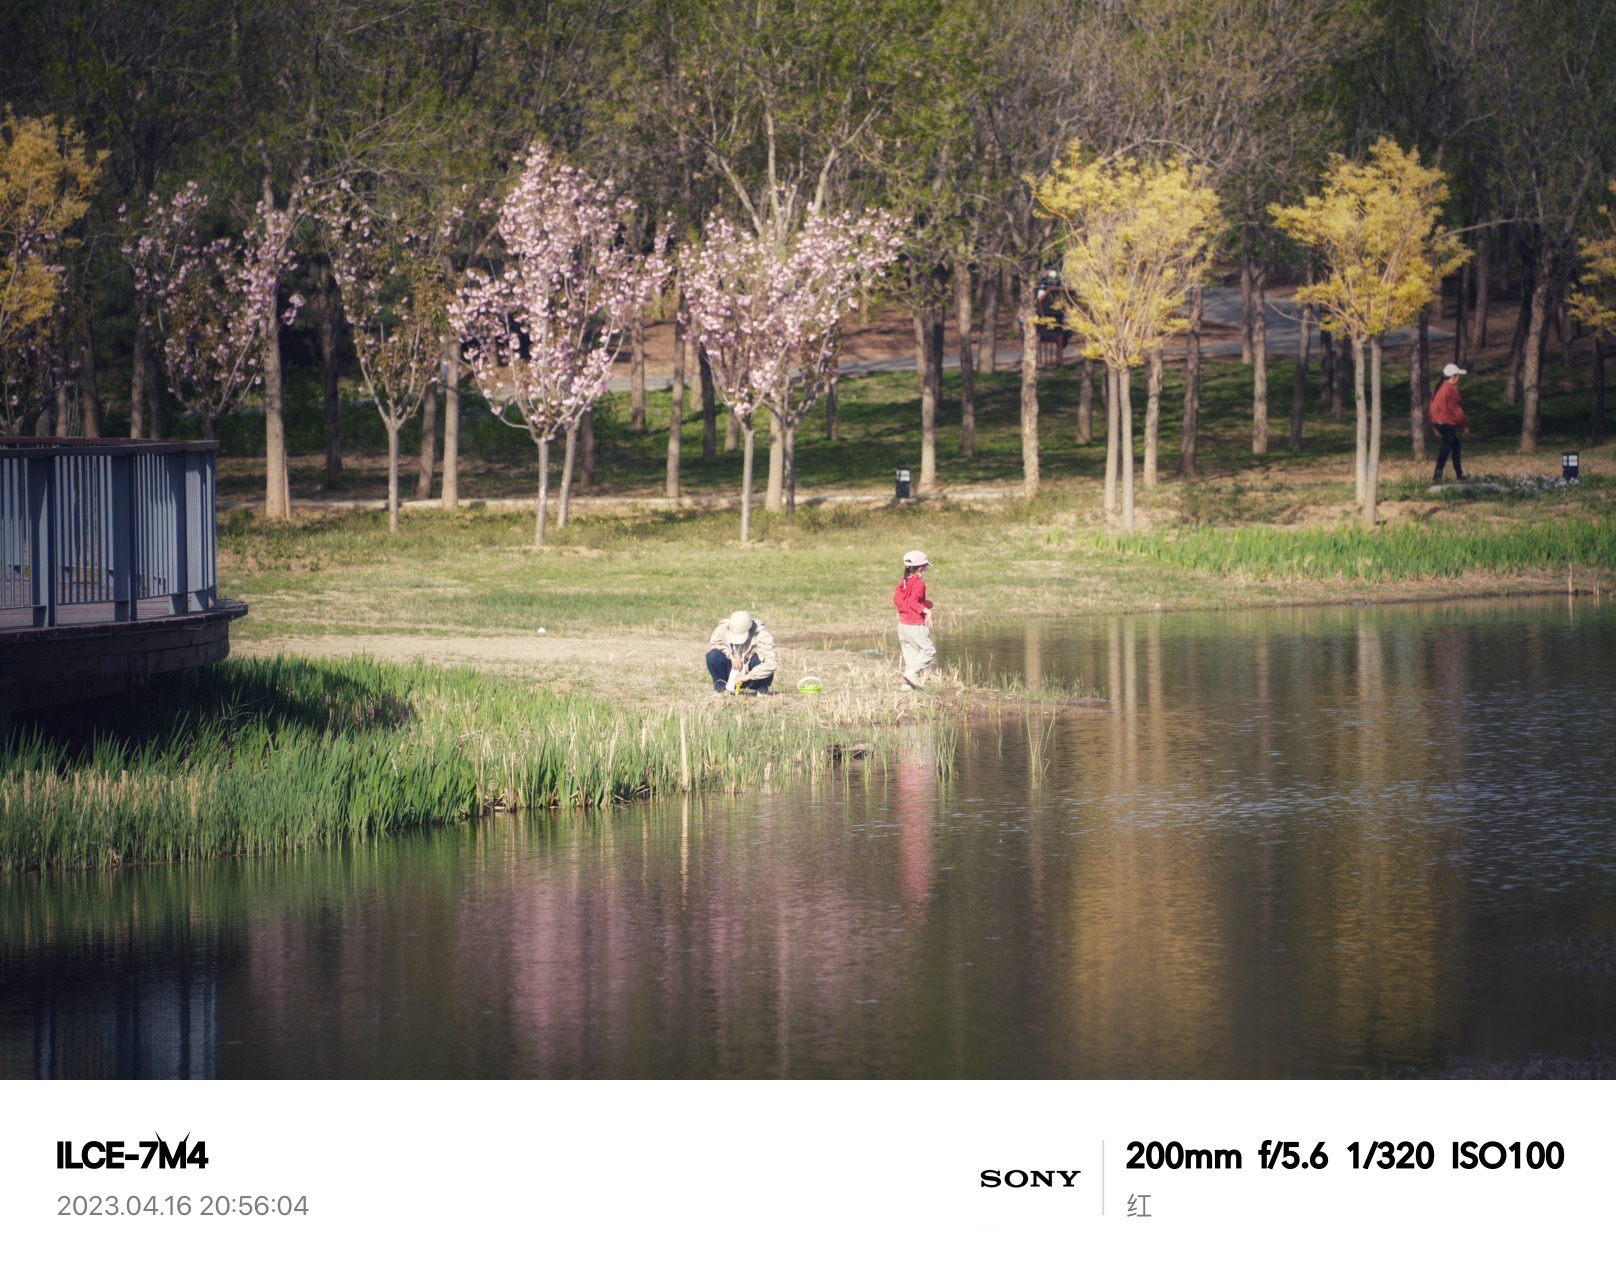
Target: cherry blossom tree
(396, 299)
(213, 301)
(543, 322)
(767, 312)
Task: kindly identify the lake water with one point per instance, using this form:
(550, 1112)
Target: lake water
(1315, 842)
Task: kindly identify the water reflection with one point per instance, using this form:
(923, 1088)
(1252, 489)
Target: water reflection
(1319, 842)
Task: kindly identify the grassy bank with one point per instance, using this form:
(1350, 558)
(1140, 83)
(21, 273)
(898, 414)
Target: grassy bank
(1408, 552)
(829, 574)
(288, 754)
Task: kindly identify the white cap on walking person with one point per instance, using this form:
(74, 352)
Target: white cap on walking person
(915, 559)
(1449, 370)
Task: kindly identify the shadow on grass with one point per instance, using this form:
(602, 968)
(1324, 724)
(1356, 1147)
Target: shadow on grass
(280, 699)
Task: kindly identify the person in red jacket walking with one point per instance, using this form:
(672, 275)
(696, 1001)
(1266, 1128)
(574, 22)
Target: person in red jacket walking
(914, 620)
(1448, 418)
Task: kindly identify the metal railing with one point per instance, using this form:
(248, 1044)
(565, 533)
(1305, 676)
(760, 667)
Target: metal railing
(89, 529)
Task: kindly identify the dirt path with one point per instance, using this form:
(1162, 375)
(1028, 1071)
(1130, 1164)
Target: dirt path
(627, 669)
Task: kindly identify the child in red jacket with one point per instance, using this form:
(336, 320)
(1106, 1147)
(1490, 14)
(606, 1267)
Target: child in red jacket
(914, 620)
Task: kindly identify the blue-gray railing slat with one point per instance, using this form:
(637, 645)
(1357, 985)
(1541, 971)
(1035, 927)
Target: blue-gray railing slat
(106, 522)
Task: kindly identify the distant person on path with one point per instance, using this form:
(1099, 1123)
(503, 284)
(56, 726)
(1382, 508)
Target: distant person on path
(742, 655)
(914, 620)
(1448, 418)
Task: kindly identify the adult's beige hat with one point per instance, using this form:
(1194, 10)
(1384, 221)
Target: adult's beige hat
(740, 626)
(1449, 370)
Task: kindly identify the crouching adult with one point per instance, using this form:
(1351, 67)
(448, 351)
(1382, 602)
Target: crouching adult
(743, 647)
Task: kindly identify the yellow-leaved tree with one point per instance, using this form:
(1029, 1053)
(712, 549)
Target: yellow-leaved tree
(1137, 235)
(1375, 231)
(45, 179)
(1593, 303)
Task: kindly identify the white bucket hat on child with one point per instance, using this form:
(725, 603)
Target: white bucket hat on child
(915, 559)
(740, 626)
(1449, 370)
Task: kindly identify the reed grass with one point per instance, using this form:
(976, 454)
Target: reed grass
(1392, 553)
(289, 754)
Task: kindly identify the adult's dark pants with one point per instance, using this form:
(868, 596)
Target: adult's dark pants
(718, 670)
(1449, 432)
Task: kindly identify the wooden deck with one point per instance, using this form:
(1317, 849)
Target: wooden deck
(13, 617)
(87, 645)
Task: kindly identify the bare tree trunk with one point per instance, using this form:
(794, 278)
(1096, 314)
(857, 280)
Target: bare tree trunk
(1360, 454)
(1247, 266)
(89, 392)
(1187, 468)
(1419, 374)
(636, 349)
(1461, 321)
(988, 355)
(1372, 466)
(964, 294)
(1326, 365)
(569, 458)
(1153, 387)
(1113, 437)
(586, 449)
(833, 404)
(64, 407)
(277, 480)
(1085, 403)
(774, 500)
(154, 395)
(676, 388)
(676, 420)
(1029, 385)
(1532, 362)
(939, 339)
(429, 443)
(928, 400)
(788, 437)
(1125, 446)
(543, 508)
(1564, 329)
(732, 425)
(1346, 360)
(709, 408)
(63, 395)
(451, 425)
(326, 322)
(137, 383)
(392, 477)
(1304, 350)
(1596, 430)
(1517, 343)
(694, 355)
(1478, 319)
(1259, 360)
(746, 486)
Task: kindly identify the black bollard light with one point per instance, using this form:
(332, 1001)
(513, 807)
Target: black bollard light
(903, 483)
(1569, 469)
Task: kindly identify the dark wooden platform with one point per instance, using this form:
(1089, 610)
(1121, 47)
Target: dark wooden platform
(87, 646)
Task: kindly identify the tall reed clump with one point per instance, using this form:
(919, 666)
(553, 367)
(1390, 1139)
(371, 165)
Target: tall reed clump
(288, 754)
(1392, 553)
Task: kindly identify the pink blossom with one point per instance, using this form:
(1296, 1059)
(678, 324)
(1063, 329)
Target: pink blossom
(544, 322)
